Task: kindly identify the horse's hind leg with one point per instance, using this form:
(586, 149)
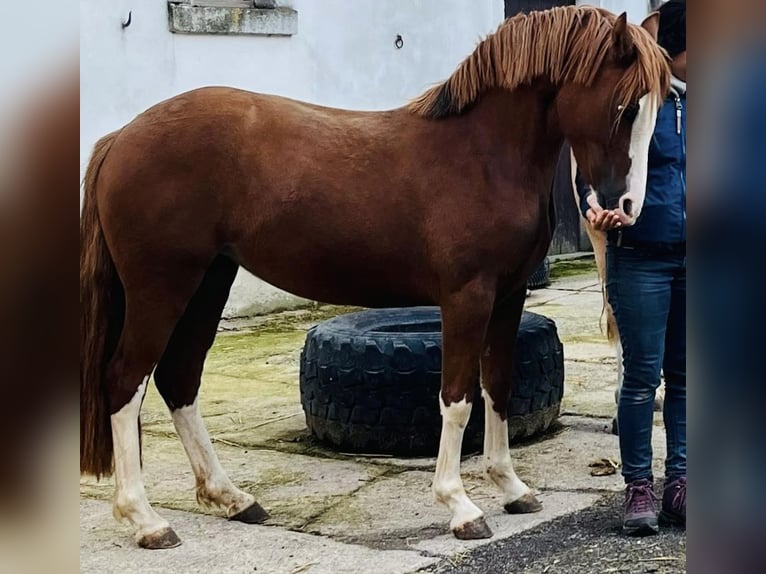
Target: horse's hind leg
(178, 379)
(130, 502)
(464, 319)
(496, 370)
(152, 309)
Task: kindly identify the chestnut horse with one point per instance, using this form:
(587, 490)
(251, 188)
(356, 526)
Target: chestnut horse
(445, 201)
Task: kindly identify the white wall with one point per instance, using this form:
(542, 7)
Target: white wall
(343, 55)
(636, 9)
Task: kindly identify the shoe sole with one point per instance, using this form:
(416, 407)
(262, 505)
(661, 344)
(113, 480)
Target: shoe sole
(646, 529)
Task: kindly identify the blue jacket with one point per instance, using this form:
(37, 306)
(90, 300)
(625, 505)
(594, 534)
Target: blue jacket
(663, 216)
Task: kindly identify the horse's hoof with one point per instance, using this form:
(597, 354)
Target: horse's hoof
(474, 530)
(253, 514)
(527, 504)
(160, 540)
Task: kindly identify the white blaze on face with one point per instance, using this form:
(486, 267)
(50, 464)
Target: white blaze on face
(640, 137)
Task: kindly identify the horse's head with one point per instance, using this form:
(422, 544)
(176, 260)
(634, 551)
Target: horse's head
(609, 121)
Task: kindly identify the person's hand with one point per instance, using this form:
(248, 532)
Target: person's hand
(601, 219)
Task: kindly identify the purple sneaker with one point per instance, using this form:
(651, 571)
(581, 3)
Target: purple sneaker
(640, 509)
(674, 502)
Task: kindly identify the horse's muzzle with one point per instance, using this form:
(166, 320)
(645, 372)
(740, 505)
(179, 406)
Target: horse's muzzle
(618, 199)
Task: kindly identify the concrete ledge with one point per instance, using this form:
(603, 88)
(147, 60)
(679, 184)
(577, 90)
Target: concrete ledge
(187, 19)
(570, 256)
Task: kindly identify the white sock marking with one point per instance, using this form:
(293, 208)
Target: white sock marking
(448, 486)
(214, 488)
(497, 454)
(130, 499)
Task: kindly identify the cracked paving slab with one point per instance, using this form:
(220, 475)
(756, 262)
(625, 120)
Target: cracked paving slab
(215, 545)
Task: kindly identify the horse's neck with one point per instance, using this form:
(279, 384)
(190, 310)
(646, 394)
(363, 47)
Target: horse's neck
(521, 127)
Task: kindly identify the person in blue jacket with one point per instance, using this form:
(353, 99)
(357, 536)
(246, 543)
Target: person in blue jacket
(646, 287)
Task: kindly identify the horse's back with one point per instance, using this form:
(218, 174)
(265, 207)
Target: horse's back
(236, 123)
(193, 109)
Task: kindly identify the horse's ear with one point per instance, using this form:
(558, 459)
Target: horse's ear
(623, 42)
(652, 24)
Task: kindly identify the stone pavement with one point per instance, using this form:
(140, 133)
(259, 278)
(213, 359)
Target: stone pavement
(334, 512)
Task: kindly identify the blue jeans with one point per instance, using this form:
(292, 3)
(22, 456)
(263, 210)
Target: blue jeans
(647, 291)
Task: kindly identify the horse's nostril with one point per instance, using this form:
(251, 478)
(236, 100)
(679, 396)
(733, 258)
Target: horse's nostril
(627, 207)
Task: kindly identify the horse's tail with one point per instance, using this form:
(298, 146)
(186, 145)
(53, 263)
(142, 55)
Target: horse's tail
(612, 333)
(598, 242)
(101, 316)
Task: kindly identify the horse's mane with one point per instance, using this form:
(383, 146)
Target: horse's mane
(566, 44)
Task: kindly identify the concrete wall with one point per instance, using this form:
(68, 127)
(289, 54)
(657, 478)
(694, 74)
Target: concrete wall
(343, 55)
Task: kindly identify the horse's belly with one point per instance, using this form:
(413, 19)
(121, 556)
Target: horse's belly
(342, 277)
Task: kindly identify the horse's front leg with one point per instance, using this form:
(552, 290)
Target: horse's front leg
(464, 320)
(496, 371)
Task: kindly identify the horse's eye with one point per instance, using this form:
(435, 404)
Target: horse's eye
(629, 112)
